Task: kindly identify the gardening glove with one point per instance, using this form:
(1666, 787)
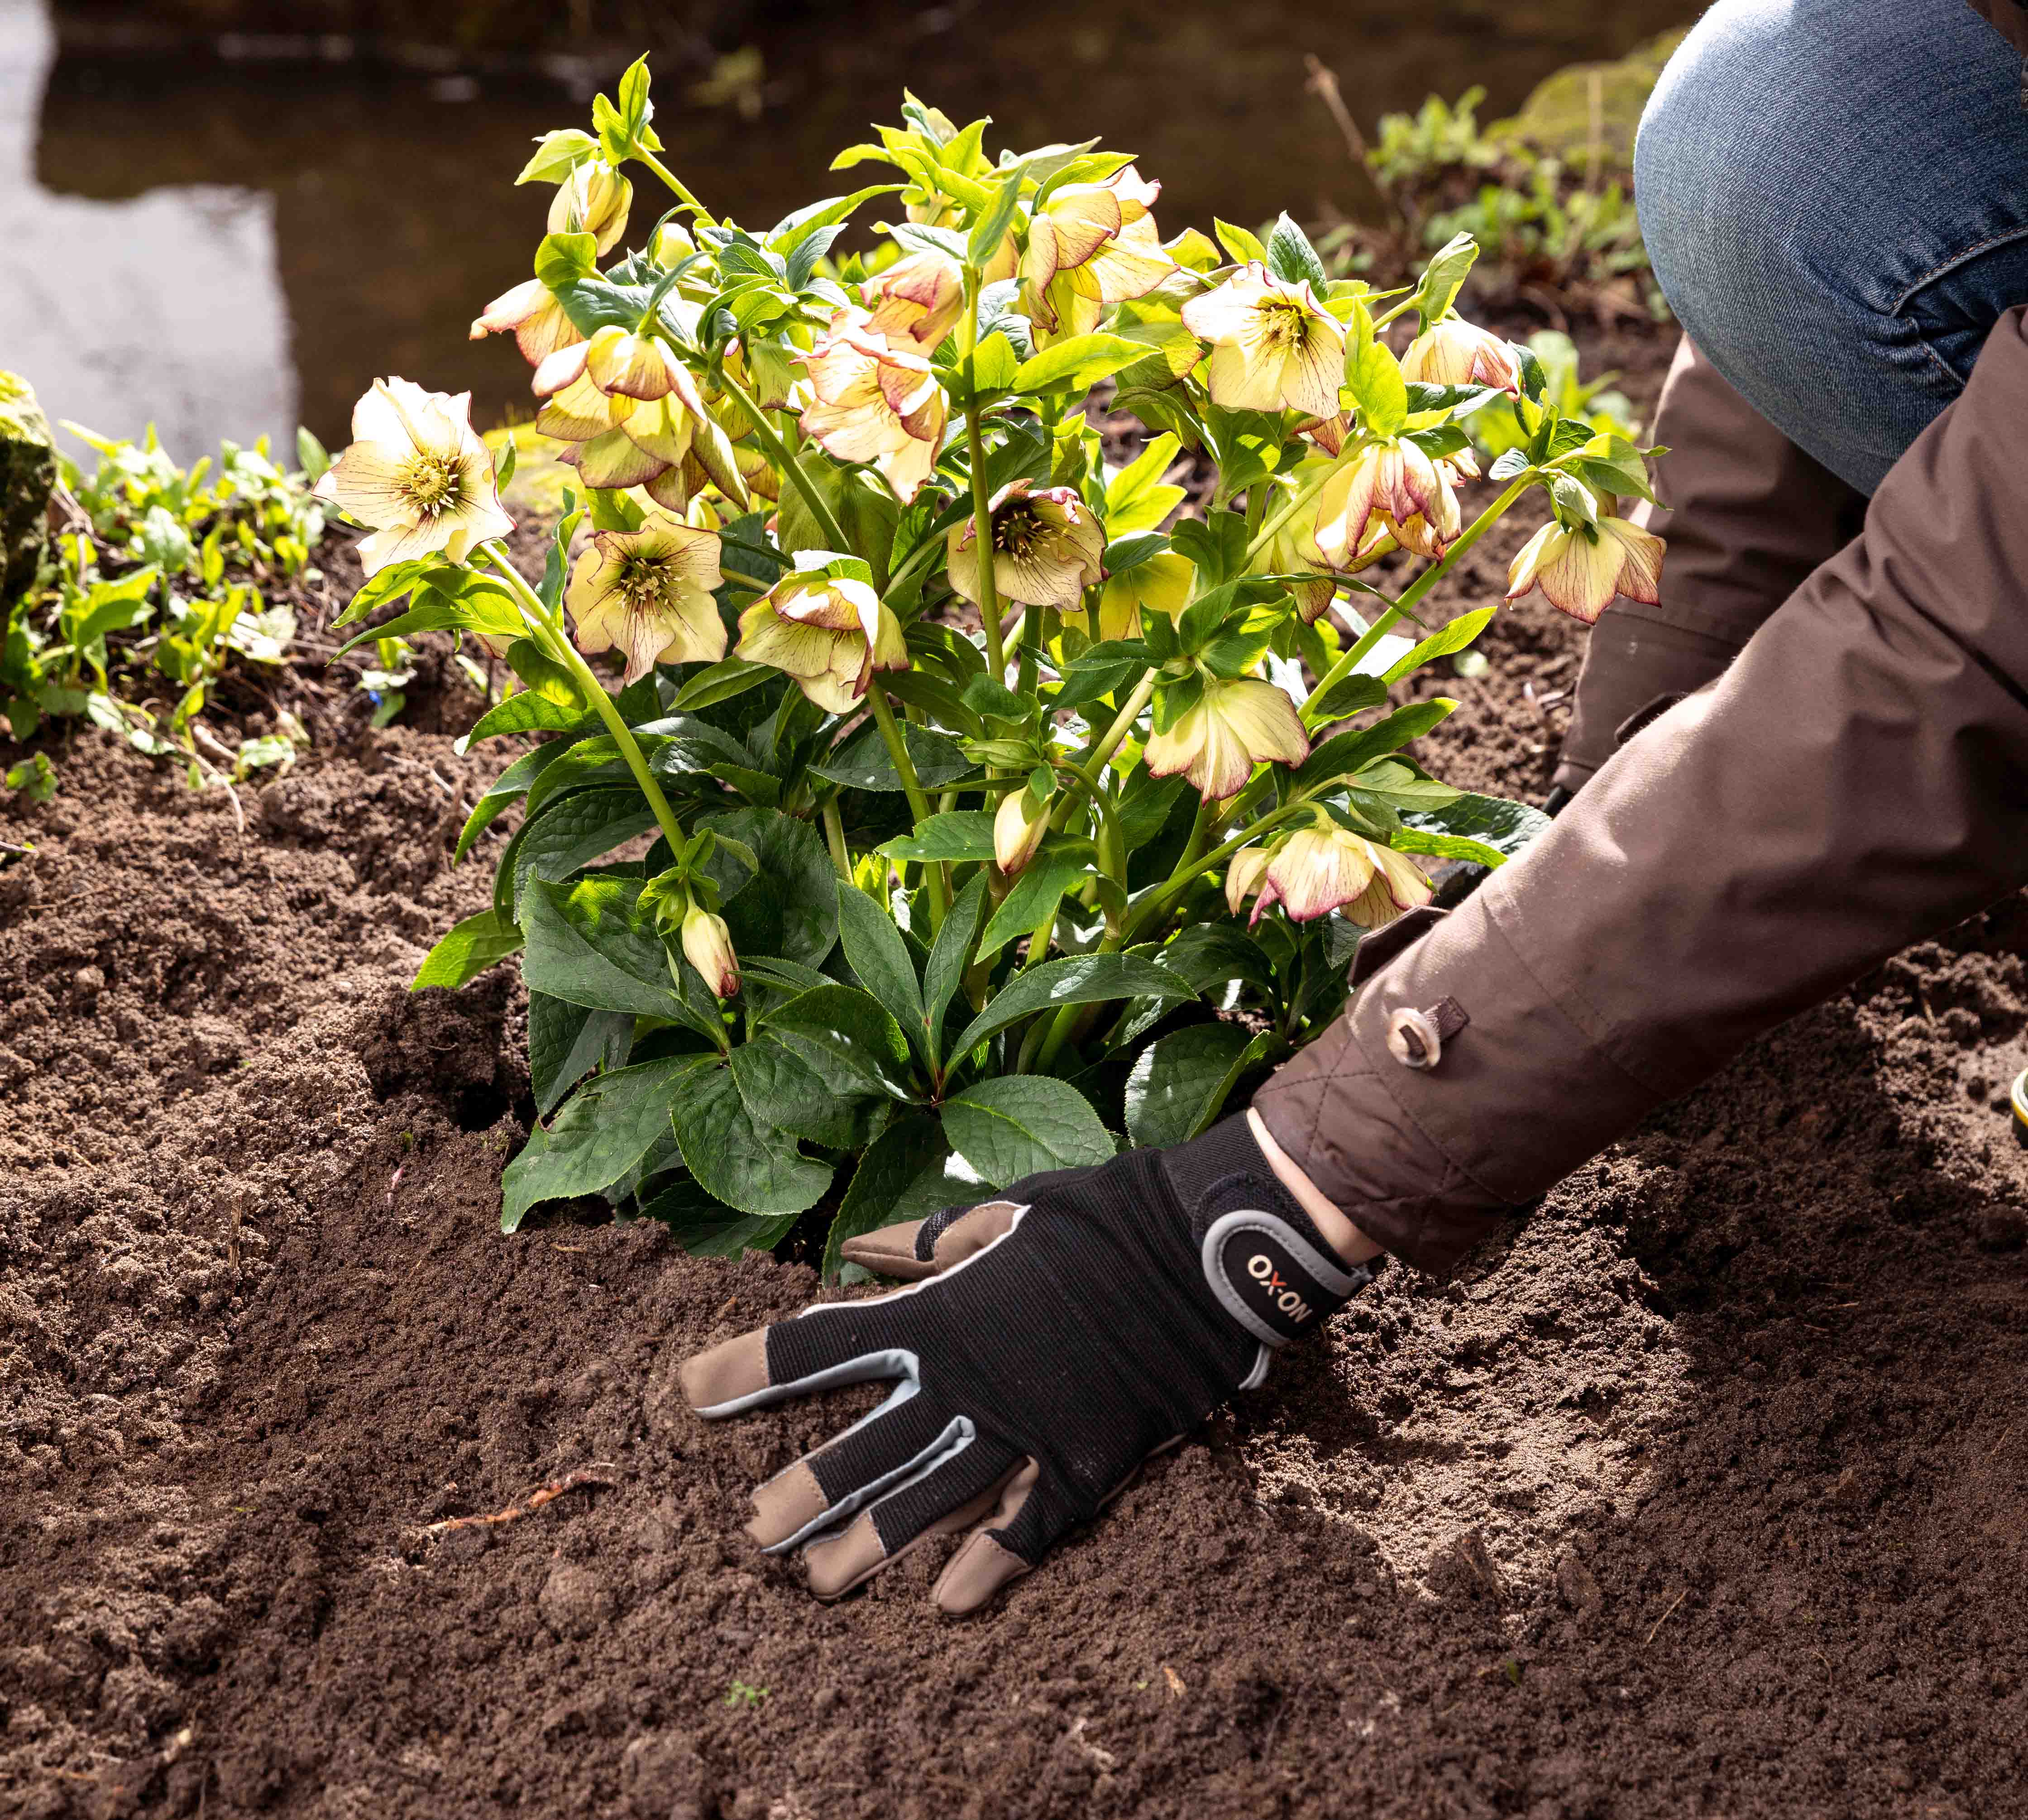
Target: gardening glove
(1054, 1338)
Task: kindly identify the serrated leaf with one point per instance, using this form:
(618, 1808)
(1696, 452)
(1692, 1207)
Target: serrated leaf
(568, 832)
(1037, 890)
(1373, 375)
(880, 959)
(1020, 1125)
(956, 834)
(1074, 979)
(1179, 1082)
(862, 762)
(1240, 245)
(587, 944)
(788, 907)
(702, 1225)
(1347, 753)
(782, 1089)
(1078, 363)
(743, 1162)
(840, 1025)
(599, 1136)
(950, 955)
(1292, 258)
(566, 1041)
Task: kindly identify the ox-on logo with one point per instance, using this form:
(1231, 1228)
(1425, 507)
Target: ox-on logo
(1261, 1268)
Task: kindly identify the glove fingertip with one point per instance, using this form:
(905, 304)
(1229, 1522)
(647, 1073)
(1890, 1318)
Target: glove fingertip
(975, 1574)
(890, 1251)
(725, 1374)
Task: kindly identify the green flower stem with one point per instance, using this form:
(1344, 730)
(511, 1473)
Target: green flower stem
(556, 643)
(1187, 870)
(740, 579)
(1100, 755)
(834, 828)
(677, 186)
(1404, 606)
(918, 804)
(982, 494)
(769, 439)
(1302, 497)
(1034, 629)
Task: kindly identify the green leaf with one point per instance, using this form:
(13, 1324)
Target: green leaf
(1209, 954)
(1575, 502)
(1349, 695)
(470, 948)
(840, 1025)
(556, 155)
(702, 1225)
(747, 1165)
(509, 787)
(782, 1089)
(1374, 376)
(602, 1133)
(566, 1041)
(959, 834)
(1074, 979)
(1240, 246)
(911, 1145)
(863, 762)
(880, 957)
(587, 944)
(1505, 825)
(1444, 275)
(1440, 643)
(721, 681)
(1077, 364)
(1021, 1125)
(1409, 840)
(1135, 497)
(790, 907)
(1347, 753)
(1180, 1081)
(995, 365)
(565, 832)
(1292, 259)
(524, 711)
(949, 956)
(1037, 890)
(991, 227)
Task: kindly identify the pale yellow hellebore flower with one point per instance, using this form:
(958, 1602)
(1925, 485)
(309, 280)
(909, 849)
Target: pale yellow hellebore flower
(1326, 867)
(1395, 480)
(648, 593)
(417, 472)
(1217, 743)
(828, 635)
(876, 401)
(1274, 347)
(1161, 585)
(537, 319)
(1242, 876)
(1016, 834)
(1090, 245)
(708, 947)
(1047, 547)
(1456, 352)
(593, 199)
(918, 298)
(633, 409)
(1580, 571)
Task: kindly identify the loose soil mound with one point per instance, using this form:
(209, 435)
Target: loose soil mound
(1699, 1493)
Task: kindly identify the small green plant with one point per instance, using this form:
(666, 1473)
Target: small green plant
(34, 777)
(745, 1694)
(160, 580)
(926, 905)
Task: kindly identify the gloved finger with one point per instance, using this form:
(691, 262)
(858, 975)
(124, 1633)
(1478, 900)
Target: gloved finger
(919, 1249)
(1026, 1520)
(822, 1489)
(954, 1491)
(831, 1344)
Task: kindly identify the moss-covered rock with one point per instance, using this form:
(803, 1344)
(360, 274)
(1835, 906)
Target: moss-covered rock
(27, 474)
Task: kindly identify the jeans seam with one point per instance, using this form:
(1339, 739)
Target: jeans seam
(1952, 264)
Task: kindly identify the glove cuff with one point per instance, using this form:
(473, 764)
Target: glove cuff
(1263, 1256)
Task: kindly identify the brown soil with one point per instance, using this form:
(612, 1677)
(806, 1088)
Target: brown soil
(1699, 1493)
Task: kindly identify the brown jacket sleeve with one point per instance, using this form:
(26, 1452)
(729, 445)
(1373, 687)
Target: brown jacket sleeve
(1747, 516)
(1857, 779)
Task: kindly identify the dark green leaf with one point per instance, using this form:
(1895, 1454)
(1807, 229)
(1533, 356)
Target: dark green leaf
(704, 1225)
(1209, 954)
(848, 1027)
(506, 789)
(862, 762)
(960, 835)
(1180, 1081)
(880, 958)
(746, 1164)
(1292, 258)
(587, 944)
(913, 1144)
(1074, 979)
(1347, 753)
(1023, 1124)
(566, 833)
(1037, 890)
(598, 1136)
(783, 1091)
(949, 956)
(566, 1041)
(790, 907)
(524, 711)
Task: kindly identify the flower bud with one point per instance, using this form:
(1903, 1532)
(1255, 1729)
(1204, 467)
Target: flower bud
(1456, 352)
(593, 199)
(708, 947)
(1016, 833)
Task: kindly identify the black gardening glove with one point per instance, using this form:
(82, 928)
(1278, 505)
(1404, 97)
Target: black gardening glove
(1058, 1335)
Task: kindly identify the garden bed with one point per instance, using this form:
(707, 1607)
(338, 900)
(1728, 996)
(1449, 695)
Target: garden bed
(1699, 1493)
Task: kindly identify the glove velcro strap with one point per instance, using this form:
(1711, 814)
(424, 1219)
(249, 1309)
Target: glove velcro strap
(1272, 1280)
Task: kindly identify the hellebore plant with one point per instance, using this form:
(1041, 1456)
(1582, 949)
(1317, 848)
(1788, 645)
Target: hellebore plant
(956, 771)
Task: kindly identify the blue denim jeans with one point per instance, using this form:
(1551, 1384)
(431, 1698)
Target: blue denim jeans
(1834, 194)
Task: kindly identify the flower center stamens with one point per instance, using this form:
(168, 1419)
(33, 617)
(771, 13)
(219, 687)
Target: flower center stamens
(433, 483)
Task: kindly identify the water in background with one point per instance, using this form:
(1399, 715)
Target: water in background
(223, 247)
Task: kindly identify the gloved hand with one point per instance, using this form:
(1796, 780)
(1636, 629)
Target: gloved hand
(1053, 1338)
